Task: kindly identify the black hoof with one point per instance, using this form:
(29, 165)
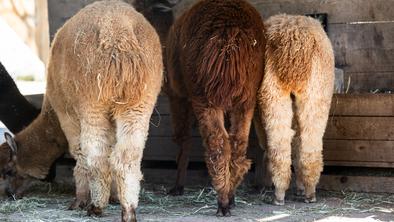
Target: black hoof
(113, 200)
(300, 193)
(176, 191)
(78, 204)
(223, 210)
(94, 211)
(311, 199)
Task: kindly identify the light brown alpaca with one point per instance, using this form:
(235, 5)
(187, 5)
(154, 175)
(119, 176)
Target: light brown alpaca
(104, 75)
(299, 62)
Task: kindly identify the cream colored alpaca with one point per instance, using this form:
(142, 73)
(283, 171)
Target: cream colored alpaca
(299, 62)
(104, 76)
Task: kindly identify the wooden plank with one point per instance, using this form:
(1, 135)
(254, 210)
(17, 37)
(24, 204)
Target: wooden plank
(364, 82)
(359, 151)
(360, 128)
(362, 105)
(363, 47)
(357, 183)
(338, 11)
(360, 164)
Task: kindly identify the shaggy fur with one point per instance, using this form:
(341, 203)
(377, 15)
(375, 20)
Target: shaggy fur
(300, 62)
(104, 75)
(213, 60)
(15, 111)
(38, 146)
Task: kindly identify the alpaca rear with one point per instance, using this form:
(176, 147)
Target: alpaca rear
(213, 56)
(218, 72)
(299, 62)
(104, 76)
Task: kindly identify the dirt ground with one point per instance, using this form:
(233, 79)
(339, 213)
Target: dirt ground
(49, 203)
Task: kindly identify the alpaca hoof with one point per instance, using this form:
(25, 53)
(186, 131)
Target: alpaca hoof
(311, 199)
(231, 202)
(94, 211)
(223, 211)
(176, 191)
(300, 193)
(128, 215)
(278, 202)
(113, 199)
(78, 204)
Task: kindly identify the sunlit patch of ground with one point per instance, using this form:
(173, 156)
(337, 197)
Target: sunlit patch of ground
(49, 203)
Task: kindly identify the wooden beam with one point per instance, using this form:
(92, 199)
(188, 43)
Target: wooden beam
(362, 105)
(357, 183)
(361, 151)
(360, 128)
(365, 82)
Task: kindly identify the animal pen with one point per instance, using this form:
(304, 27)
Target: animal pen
(358, 142)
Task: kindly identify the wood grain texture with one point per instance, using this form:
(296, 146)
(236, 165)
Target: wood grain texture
(359, 151)
(365, 105)
(357, 183)
(362, 82)
(360, 128)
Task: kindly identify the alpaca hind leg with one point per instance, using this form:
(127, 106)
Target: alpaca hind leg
(131, 134)
(239, 138)
(277, 115)
(312, 115)
(96, 131)
(217, 153)
(182, 116)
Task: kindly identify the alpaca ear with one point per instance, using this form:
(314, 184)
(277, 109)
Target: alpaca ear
(11, 142)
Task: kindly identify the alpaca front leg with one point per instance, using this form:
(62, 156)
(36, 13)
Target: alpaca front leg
(181, 115)
(82, 198)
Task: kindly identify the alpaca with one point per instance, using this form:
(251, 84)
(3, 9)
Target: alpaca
(104, 76)
(15, 111)
(213, 59)
(32, 152)
(159, 14)
(299, 64)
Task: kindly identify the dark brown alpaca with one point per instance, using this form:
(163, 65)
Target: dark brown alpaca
(214, 53)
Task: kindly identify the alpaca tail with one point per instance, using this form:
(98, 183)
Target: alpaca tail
(224, 70)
